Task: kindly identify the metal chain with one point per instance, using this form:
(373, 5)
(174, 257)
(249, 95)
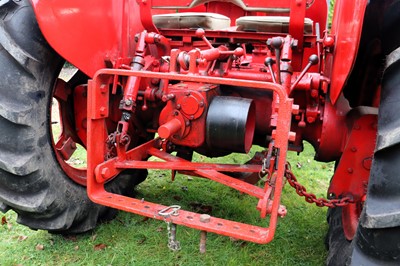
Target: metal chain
(173, 210)
(310, 197)
(173, 244)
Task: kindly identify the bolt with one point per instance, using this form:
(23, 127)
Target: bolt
(201, 104)
(314, 93)
(178, 106)
(295, 109)
(353, 149)
(103, 88)
(105, 172)
(102, 110)
(205, 218)
(203, 240)
(292, 136)
(310, 119)
(350, 170)
(187, 93)
(128, 102)
(187, 123)
(191, 117)
(73, 145)
(367, 163)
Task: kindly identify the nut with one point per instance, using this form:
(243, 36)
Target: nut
(205, 218)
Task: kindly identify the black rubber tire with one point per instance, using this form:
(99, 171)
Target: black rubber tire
(339, 247)
(31, 180)
(377, 245)
(377, 241)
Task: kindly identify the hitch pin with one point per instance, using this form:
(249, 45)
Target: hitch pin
(173, 244)
(170, 210)
(204, 218)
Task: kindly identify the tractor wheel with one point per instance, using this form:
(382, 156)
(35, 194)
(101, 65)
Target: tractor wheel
(33, 182)
(377, 240)
(339, 247)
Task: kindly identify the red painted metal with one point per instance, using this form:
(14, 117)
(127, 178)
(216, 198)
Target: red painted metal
(350, 215)
(346, 27)
(93, 31)
(186, 107)
(352, 173)
(105, 27)
(168, 129)
(297, 16)
(168, 78)
(330, 145)
(65, 145)
(80, 113)
(96, 192)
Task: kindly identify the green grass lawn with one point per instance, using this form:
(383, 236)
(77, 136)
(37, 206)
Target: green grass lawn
(135, 240)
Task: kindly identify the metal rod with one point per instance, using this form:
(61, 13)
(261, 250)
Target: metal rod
(203, 240)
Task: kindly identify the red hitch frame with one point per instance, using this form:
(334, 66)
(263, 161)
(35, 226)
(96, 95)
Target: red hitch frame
(100, 171)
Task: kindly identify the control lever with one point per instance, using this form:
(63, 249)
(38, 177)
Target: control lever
(312, 60)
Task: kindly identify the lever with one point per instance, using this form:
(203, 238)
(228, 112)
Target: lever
(268, 62)
(277, 43)
(312, 60)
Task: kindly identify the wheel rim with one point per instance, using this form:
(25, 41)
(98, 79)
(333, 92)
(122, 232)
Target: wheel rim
(65, 140)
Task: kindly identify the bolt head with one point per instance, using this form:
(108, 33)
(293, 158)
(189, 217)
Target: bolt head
(73, 145)
(128, 102)
(350, 170)
(205, 218)
(102, 110)
(105, 172)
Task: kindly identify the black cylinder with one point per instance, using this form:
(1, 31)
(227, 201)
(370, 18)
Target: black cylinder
(230, 124)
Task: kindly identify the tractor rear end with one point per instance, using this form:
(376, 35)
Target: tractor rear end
(216, 77)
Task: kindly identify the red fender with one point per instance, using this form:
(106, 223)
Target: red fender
(87, 33)
(346, 27)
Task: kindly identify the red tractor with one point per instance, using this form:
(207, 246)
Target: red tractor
(166, 78)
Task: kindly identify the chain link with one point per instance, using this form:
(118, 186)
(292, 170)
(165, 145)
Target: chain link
(173, 210)
(310, 197)
(173, 244)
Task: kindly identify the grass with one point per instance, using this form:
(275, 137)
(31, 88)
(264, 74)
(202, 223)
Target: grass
(135, 240)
